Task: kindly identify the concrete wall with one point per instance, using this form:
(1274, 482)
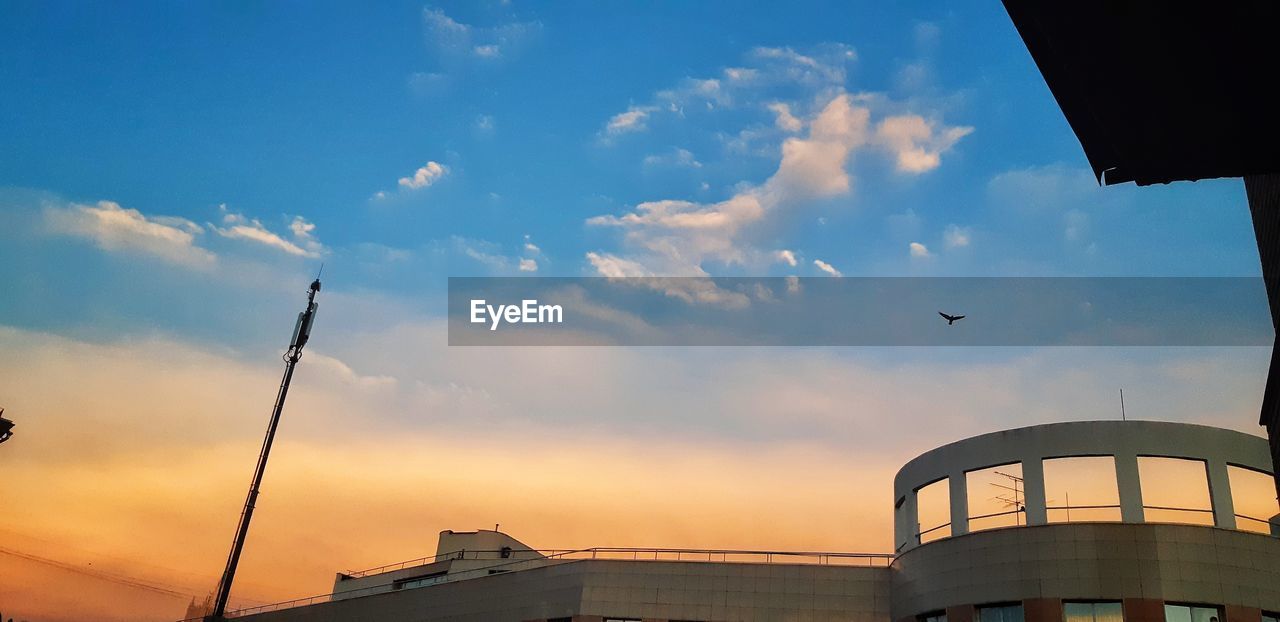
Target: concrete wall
(1090, 561)
(649, 590)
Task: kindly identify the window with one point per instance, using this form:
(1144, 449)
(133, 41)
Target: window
(1191, 613)
(1000, 613)
(937, 616)
(1270, 617)
(1175, 490)
(1081, 488)
(1092, 612)
(996, 497)
(419, 581)
(1253, 494)
(933, 511)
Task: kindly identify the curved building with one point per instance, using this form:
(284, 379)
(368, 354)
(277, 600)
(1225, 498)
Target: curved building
(1157, 533)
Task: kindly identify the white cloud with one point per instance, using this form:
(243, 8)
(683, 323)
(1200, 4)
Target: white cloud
(955, 236)
(786, 256)
(822, 70)
(528, 265)
(239, 227)
(826, 267)
(918, 250)
(675, 237)
(917, 143)
(681, 237)
(678, 157)
(114, 228)
(613, 266)
(785, 121)
(815, 166)
(633, 120)
(457, 40)
(485, 124)
(428, 174)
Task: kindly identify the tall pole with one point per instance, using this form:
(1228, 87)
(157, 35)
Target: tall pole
(301, 332)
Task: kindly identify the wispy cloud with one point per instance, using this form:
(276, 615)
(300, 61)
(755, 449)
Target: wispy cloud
(955, 236)
(826, 267)
(303, 242)
(457, 39)
(918, 250)
(678, 157)
(115, 228)
(631, 120)
(820, 71)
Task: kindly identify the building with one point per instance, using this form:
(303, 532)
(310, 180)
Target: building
(1167, 525)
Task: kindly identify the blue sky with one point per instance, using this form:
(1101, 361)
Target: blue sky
(309, 112)
(173, 175)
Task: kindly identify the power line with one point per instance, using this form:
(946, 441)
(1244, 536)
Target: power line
(121, 580)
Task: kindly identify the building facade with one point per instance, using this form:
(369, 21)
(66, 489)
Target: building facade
(1167, 524)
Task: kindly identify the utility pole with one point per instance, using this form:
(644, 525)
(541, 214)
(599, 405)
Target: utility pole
(301, 333)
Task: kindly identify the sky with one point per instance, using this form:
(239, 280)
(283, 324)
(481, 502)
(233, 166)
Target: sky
(173, 176)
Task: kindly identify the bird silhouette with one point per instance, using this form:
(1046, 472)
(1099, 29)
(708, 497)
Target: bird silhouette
(951, 319)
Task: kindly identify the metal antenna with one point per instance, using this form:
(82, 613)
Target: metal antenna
(301, 333)
(1122, 416)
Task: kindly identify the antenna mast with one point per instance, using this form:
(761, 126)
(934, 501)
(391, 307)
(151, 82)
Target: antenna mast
(301, 333)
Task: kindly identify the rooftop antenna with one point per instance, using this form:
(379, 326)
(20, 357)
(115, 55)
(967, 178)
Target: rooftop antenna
(301, 333)
(1122, 416)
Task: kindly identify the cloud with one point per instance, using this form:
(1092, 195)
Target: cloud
(633, 120)
(613, 266)
(425, 176)
(678, 157)
(955, 236)
(458, 40)
(115, 228)
(919, 250)
(675, 237)
(785, 121)
(823, 70)
(237, 226)
(485, 124)
(528, 265)
(786, 256)
(826, 267)
(917, 143)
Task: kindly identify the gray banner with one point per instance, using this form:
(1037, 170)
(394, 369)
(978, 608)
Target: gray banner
(851, 311)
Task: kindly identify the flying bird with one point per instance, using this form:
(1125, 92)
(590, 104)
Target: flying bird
(951, 319)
